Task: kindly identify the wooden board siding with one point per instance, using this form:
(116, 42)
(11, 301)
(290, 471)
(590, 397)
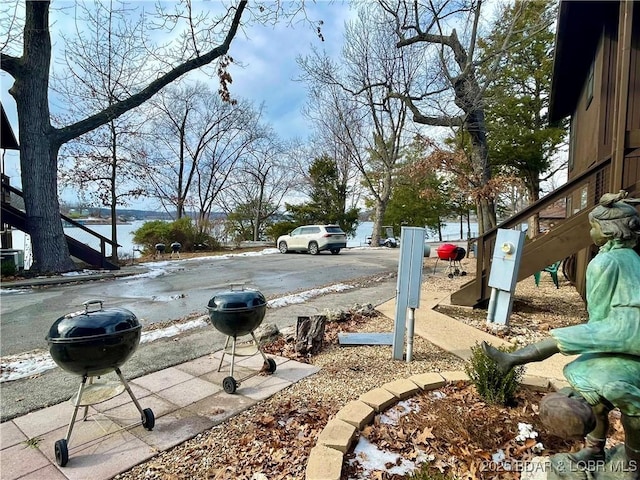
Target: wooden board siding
(590, 128)
(633, 108)
(631, 171)
(608, 89)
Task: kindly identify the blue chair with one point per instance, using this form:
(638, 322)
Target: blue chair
(553, 270)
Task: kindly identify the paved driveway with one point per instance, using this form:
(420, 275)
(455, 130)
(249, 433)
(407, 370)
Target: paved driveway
(173, 289)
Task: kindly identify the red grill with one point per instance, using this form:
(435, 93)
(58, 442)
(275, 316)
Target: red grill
(454, 255)
(448, 251)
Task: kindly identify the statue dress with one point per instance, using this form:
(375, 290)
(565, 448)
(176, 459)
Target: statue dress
(608, 369)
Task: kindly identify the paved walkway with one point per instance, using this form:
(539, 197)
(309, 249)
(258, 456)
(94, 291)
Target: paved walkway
(188, 399)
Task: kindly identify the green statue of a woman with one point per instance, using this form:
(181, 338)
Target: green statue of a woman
(607, 372)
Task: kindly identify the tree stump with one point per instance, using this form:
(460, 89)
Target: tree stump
(310, 334)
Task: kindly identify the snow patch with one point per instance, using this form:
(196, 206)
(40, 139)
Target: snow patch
(15, 367)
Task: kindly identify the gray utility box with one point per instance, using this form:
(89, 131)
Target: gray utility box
(504, 274)
(408, 287)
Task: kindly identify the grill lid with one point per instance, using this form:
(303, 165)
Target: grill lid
(92, 323)
(238, 298)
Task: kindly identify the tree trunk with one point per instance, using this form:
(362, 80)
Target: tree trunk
(378, 218)
(486, 215)
(114, 197)
(310, 334)
(39, 147)
(476, 127)
(534, 221)
(256, 227)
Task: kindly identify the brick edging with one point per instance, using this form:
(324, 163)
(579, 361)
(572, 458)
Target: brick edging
(336, 439)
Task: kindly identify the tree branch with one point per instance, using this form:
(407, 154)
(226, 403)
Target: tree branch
(11, 65)
(441, 121)
(65, 134)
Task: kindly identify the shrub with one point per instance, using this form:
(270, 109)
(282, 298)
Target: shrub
(492, 385)
(182, 231)
(8, 268)
(280, 228)
(150, 233)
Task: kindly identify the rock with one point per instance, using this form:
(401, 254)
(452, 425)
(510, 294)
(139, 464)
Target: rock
(266, 332)
(566, 415)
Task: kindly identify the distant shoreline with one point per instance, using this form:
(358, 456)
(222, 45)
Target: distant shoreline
(93, 221)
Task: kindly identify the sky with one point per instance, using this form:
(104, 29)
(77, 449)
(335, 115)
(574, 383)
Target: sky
(267, 76)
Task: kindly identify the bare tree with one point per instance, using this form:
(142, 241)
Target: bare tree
(190, 120)
(261, 183)
(373, 123)
(102, 64)
(233, 140)
(200, 39)
(331, 134)
(428, 23)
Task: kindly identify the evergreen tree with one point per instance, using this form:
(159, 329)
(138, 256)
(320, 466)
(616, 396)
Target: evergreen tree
(420, 198)
(522, 143)
(327, 199)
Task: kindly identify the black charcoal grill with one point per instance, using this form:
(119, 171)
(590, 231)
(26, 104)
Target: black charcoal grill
(175, 249)
(238, 312)
(92, 343)
(160, 248)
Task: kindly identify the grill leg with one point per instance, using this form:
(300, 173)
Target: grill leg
(85, 412)
(226, 344)
(255, 340)
(233, 355)
(128, 389)
(75, 407)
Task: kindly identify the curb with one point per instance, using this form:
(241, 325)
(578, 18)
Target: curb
(338, 436)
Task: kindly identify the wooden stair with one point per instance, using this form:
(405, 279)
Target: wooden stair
(538, 253)
(568, 239)
(18, 219)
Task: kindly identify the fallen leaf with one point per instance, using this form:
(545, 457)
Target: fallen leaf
(425, 436)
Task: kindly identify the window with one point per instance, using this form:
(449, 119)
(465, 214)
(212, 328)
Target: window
(583, 197)
(590, 82)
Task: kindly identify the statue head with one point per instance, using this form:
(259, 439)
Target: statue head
(615, 219)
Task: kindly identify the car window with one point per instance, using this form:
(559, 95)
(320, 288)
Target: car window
(297, 231)
(314, 230)
(334, 230)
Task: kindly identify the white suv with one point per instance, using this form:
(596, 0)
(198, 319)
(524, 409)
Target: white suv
(313, 239)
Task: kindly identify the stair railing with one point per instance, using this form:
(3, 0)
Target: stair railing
(103, 240)
(594, 177)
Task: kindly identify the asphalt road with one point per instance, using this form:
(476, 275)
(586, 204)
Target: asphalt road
(171, 290)
(174, 289)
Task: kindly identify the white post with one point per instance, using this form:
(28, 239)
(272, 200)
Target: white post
(410, 328)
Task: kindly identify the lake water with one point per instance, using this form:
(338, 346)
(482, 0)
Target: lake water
(450, 231)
